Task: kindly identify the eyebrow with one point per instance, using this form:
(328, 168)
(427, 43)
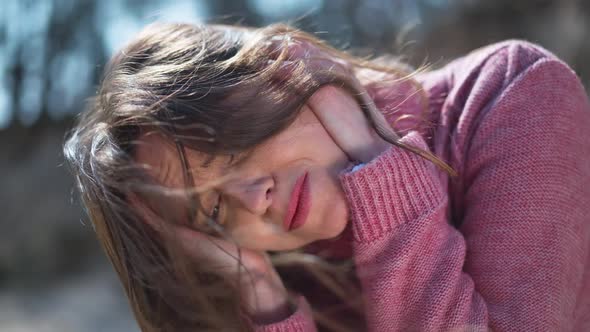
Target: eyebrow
(208, 161)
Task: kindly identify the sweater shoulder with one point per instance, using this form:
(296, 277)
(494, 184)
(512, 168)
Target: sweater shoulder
(513, 55)
(491, 66)
(463, 92)
(501, 81)
(485, 72)
(514, 68)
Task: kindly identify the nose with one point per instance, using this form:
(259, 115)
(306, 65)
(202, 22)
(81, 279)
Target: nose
(255, 194)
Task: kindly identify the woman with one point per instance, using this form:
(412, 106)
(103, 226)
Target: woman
(461, 194)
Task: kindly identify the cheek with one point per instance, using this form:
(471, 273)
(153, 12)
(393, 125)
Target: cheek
(310, 145)
(315, 144)
(253, 232)
(331, 205)
(328, 155)
(249, 235)
(307, 139)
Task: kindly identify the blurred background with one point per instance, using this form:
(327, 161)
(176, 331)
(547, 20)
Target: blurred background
(53, 276)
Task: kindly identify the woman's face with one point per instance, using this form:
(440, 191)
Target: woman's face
(282, 195)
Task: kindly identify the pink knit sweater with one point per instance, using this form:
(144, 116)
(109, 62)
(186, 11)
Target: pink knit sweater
(506, 245)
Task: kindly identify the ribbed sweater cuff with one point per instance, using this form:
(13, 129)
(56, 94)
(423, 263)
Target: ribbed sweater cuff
(301, 320)
(395, 188)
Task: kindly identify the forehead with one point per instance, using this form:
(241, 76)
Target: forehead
(162, 159)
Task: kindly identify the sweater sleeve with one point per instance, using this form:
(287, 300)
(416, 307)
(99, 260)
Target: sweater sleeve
(300, 321)
(518, 261)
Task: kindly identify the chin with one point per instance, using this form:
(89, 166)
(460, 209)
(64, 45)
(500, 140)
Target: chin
(336, 229)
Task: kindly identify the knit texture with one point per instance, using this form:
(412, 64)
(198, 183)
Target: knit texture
(504, 246)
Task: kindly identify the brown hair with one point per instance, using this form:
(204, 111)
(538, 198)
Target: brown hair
(212, 88)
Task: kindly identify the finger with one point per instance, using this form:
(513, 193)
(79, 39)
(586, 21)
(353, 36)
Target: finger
(341, 116)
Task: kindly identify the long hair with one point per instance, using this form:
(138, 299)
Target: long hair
(216, 89)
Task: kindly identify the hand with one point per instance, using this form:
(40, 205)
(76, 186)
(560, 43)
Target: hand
(262, 291)
(343, 119)
(337, 110)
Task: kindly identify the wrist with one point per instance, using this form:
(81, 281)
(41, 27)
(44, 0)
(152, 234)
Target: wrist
(373, 151)
(267, 302)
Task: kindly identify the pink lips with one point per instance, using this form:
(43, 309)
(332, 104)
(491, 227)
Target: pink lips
(298, 204)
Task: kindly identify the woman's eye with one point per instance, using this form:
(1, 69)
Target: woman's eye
(216, 209)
